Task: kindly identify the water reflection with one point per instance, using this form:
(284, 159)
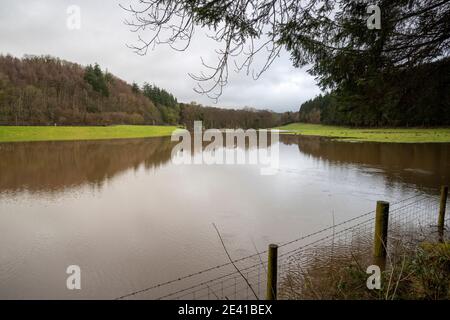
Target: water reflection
(57, 166)
(151, 220)
(426, 166)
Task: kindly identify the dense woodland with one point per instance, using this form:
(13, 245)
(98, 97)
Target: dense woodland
(416, 97)
(50, 91)
(228, 118)
(47, 91)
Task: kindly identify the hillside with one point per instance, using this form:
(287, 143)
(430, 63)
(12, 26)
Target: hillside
(42, 90)
(46, 91)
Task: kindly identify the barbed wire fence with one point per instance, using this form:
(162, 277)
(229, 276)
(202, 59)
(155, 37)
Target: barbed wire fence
(411, 221)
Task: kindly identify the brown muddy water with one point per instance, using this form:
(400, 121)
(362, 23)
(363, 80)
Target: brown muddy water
(130, 218)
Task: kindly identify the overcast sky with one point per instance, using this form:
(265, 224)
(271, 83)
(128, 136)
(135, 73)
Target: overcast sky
(40, 27)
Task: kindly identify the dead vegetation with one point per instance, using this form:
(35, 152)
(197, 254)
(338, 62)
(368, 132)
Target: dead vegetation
(415, 269)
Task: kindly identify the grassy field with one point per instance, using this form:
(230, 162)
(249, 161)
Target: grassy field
(31, 133)
(397, 135)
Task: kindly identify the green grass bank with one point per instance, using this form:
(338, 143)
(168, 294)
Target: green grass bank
(63, 133)
(42, 133)
(394, 135)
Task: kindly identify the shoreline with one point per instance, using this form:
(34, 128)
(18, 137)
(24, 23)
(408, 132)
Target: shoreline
(386, 135)
(81, 133)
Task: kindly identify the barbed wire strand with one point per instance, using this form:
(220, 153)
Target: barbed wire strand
(258, 254)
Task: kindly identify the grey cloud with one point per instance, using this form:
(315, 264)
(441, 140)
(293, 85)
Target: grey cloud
(39, 27)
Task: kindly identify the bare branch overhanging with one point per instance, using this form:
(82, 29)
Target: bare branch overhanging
(310, 30)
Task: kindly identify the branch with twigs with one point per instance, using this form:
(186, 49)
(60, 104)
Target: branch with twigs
(233, 263)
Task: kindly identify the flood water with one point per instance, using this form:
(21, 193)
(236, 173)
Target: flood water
(130, 218)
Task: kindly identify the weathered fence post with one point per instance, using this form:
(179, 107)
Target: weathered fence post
(272, 271)
(381, 231)
(442, 207)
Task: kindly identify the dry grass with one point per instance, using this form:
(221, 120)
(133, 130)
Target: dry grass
(415, 269)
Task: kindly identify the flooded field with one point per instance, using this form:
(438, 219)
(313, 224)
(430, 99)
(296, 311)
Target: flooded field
(130, 218)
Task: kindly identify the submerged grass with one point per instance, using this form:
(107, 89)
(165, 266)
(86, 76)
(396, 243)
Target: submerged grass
(397, 135)
(53, 133)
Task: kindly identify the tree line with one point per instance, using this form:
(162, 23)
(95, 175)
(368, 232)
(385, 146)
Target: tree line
(43, 90)
(418, 96)
(227, 118)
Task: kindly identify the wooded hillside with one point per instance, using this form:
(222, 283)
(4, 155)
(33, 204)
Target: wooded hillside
(47, 91)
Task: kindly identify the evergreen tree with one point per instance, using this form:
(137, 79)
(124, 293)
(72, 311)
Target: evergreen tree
(135, 88)
(95, 77)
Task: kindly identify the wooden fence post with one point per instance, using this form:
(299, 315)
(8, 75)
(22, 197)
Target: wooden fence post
(381, 231)
(272, 271)
(442, 207)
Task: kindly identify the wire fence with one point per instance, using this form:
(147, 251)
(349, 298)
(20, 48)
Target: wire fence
(410, 221)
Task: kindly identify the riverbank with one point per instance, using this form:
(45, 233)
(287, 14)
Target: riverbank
(52, 133)
(393, 135)
(66, 133)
